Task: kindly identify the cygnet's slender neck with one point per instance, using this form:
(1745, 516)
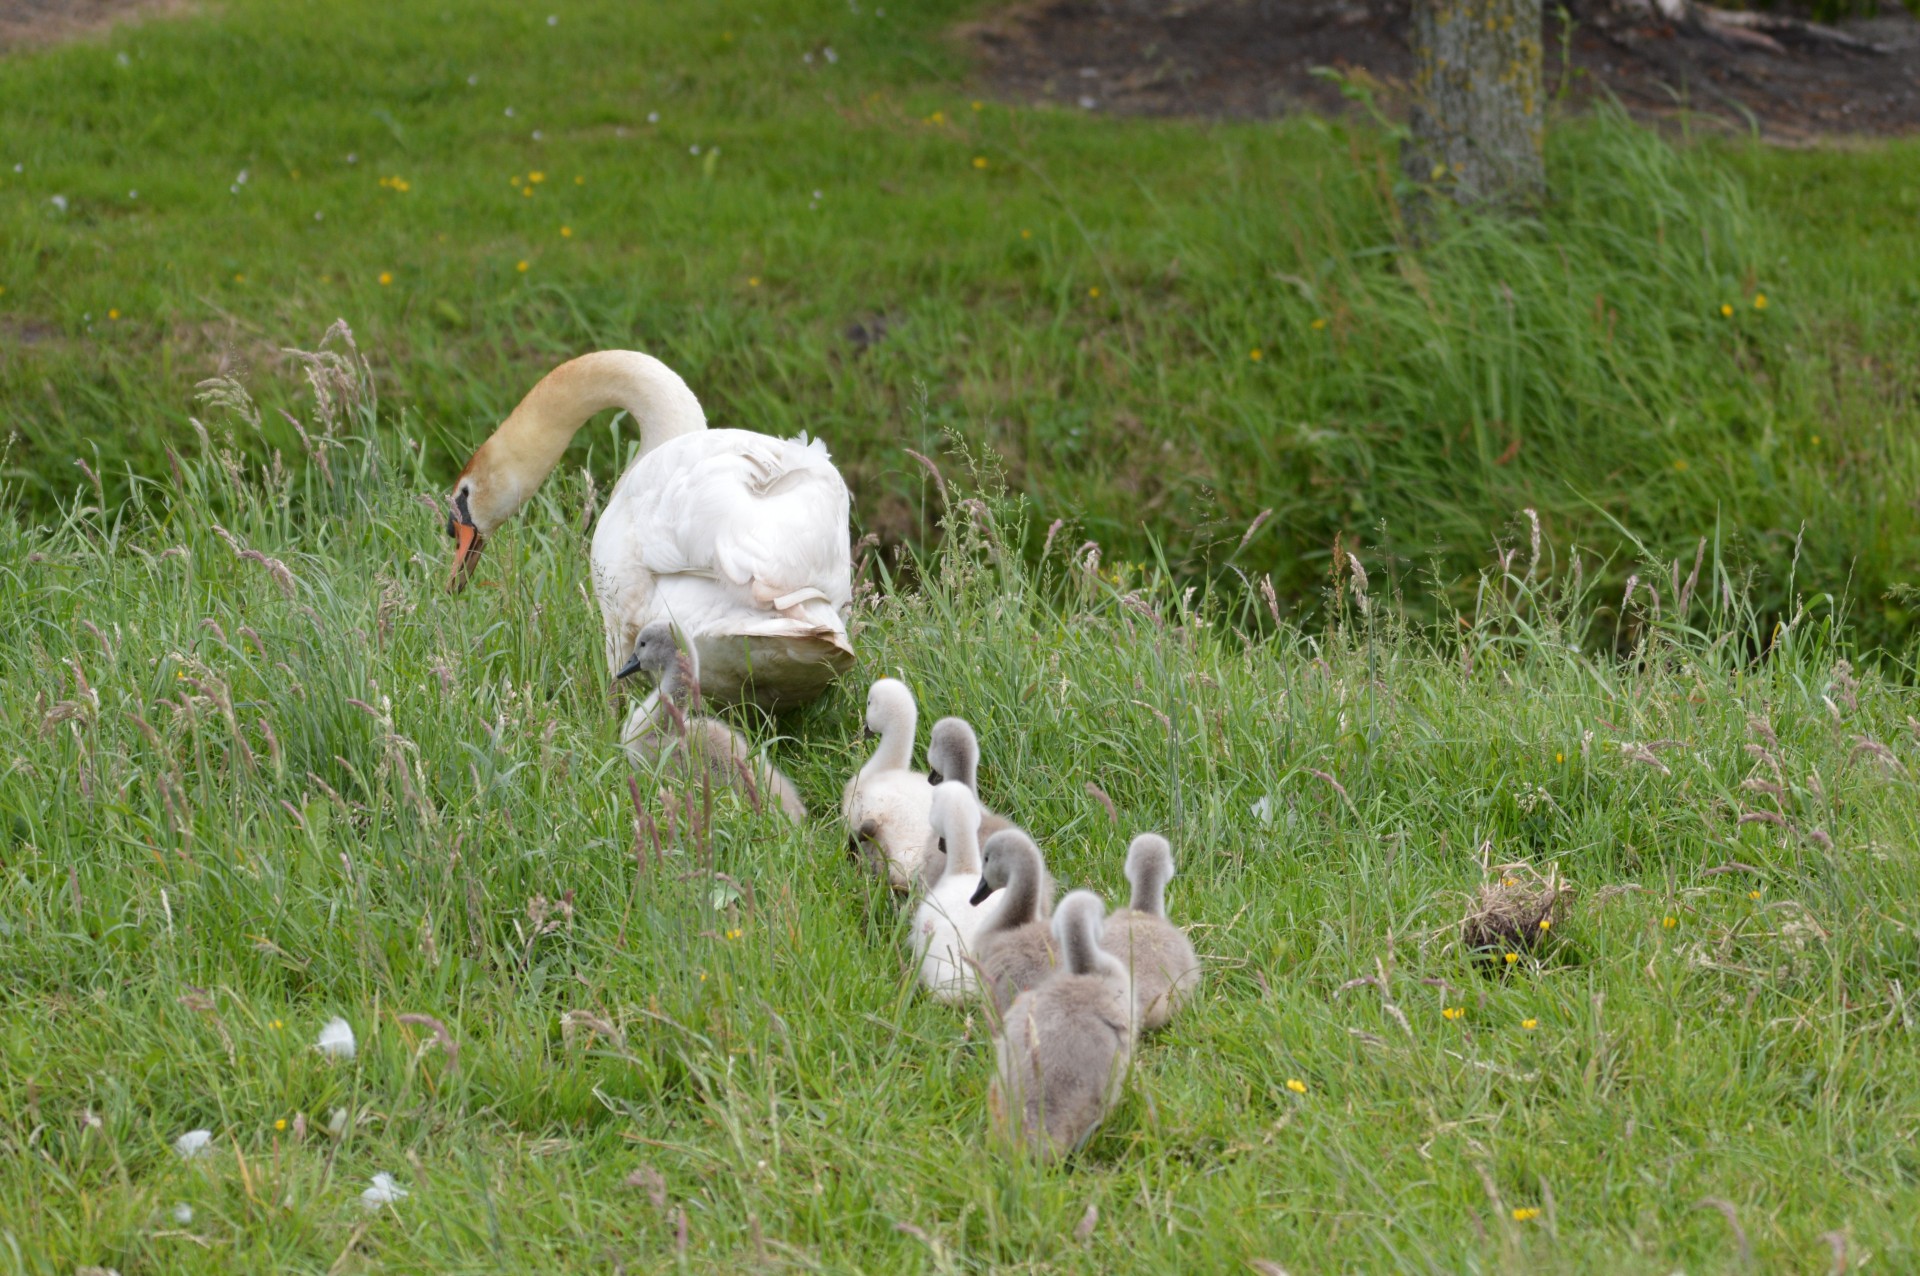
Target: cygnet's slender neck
(1021, 895)
(1149, 866)
(961, 832)
(529, 443)
(681, 675)
(898, 718)
(961, 753)
(1077, 928)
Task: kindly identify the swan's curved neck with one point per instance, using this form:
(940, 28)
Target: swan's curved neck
(1021, 896)
(529, 443)
(1150, 888)
(1080, 944)
(895, 750)
(963, 847)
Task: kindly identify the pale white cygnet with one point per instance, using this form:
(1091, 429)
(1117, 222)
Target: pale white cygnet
(888, 804)
(665, 723)
(1060, 1061)
(1015, 949)
(947, 921)
(1158, 957)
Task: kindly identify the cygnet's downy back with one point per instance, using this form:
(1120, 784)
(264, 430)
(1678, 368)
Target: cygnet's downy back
(667, 722)
(1061, 1058)
(1015, 949)
(1159, 959)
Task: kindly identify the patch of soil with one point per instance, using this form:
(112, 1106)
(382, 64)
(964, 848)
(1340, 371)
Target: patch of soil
(1253, 59)
(26, 23)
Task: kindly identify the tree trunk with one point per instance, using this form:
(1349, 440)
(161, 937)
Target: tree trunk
(1478, 107)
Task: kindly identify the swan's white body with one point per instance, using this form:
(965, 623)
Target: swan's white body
(948, 922)
(888, 805)
(738, 539)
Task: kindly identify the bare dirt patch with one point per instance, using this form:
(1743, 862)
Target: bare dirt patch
(31, 23)
(1253, 59)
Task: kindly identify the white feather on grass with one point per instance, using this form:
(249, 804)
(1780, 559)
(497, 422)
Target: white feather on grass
(336, 1040)
(194, 1143)
(383, 1192)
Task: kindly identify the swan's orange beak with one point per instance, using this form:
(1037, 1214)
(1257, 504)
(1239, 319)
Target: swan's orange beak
(467, 544)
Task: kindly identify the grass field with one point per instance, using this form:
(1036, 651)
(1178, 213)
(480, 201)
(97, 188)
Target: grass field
(261, 771)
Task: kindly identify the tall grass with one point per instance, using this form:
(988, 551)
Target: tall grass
(1574, 363)
(264, 771)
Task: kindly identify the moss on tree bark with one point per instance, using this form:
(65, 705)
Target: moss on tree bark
(1479, 106)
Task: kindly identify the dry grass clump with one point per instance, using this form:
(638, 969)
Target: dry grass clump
(1516, 909)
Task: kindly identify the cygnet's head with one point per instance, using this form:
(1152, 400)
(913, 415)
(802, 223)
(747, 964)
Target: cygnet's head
(654, 651)
(953, 752)
(1077, 922)
(1008, 856)
(890, 707)
(1149, 857)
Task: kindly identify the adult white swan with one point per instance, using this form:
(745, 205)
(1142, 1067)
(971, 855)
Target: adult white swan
(738, 539)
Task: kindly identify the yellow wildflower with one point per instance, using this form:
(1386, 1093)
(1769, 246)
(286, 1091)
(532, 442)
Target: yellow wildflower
(1680, 464)
(386, 277)
(979, 106)
(979, 161)
(1559, 758)
(113, 314)
(1296, 1085)
(521, 266)
(1546, 923)
(1753, 894)
(527, 191)
(1026, 234)
(753, 281)
(536, 177)
(1512, 957)
(281, 1124)
(734, 933)
(1318, 324)
(1454, 1012)
(1668, 923)
(1759, 301)
(1255, 354)
(513, 181)
(1525, 1215)
(1094, 291)
(239, 279)
(276, 1025)
(1529, 1024)
(579, 181)
(566, 232)
(1726, 312)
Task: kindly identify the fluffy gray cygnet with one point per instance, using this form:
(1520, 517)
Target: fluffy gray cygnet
(1158, 957)
(1015, 949)
(1060, 1061)
(663, 723)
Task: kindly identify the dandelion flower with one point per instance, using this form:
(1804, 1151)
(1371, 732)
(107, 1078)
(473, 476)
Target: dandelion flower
(1753, 894)
(386, 277)
(1526, 1214)
(194, 1143)
(979, 106)
(1529, 1024)
(1546, 923)
(979, 161)
(1726, 312)
(1026, 234)
(1318, 324)
(527, 191)
(521, 266)
(113, 314)
(1559, 758)
(383, 1192)
(734, 933)
(336, 1040)
(1814, 439)
(1680, 464)
(579, 181)
(753, 281)
(566, 232)
(1759, 301)
(1512, 958)
(281, 1124)
(1094, 291)
(536, 177)
(1296, 1085)
(1452, 1013)
(239, 279)
(277, 1025)
(1255, 354)
(1668, 923)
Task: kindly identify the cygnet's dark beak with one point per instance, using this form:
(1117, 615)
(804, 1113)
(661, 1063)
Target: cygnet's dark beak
(629, 669)
(867, 732)
(980, 893)
(934, 777)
